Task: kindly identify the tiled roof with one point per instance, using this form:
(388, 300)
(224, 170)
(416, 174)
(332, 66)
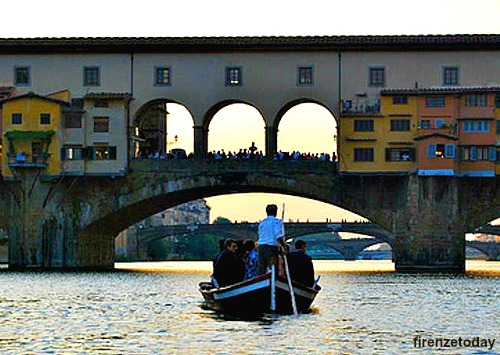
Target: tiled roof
(33, 95)
(440, 90)
(265, 43)
(108, 95)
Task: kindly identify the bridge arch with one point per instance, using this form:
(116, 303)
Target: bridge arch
(350, 251)
(150, 193)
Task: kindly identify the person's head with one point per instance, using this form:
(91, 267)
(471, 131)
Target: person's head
(286, 248)
(300, 245)
(222, 244)
(231, 245)
(272, 210)
(248, 245)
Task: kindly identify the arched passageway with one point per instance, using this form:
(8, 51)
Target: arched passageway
(233, 127)
(307, 127)
(160, 126)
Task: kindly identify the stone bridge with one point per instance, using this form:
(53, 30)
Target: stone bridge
(491, 249)
(71, 222)
(250, 230)
(349, 248)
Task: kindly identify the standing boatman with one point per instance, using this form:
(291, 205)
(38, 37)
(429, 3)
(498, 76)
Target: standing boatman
(271, 233)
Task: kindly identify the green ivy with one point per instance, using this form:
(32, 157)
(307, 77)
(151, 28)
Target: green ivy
(29, 135)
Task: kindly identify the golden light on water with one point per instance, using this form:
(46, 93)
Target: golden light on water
(473, 267)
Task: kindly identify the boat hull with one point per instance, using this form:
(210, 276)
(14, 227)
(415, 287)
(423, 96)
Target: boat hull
(252, 297)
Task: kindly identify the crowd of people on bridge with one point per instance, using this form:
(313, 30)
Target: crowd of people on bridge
(251, 153)
(238, 261)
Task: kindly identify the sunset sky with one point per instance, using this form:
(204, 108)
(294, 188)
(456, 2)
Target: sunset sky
(237, 126)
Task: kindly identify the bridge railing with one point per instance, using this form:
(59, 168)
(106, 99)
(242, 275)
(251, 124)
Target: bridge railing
(215, 166)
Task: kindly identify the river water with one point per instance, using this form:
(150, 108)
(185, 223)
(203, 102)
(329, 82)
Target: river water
(154, 308)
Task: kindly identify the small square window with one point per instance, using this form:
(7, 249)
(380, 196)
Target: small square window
(22, 76)
(101, 124)
(162, 76)
(72, 153)
(17, 118)
(102, 152)
(435, 101)
(45, 118)
(91, 76)
(73, 120)
(424, 124)
(450, 76)
(475, 100)
(233, 76)
(363, 125)
(363, 154)
(305, 76)
(377, 76)
(400, 125)
(400, 100)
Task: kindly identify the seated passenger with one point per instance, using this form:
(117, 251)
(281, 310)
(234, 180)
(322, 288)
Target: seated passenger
(251, 259)
(300, 265)
(229, 268)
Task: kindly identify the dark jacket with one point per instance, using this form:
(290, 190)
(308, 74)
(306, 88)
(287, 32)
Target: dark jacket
(229, 269)
(301, 267)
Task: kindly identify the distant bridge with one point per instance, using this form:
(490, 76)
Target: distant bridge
(250, 230)
(349, 248)
(490, 249)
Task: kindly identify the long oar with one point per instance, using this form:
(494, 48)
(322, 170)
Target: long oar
(289, 279)
(287, 271)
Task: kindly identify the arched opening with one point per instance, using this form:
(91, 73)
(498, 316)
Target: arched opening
(380, 251)
(146, 240)
(308, 128)
(475, 254)
(234, 127)
(160, 126)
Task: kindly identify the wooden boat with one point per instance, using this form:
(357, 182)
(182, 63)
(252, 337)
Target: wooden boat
(253, 296)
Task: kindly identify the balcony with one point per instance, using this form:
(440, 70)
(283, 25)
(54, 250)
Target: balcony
(361, 106)
(24, 160)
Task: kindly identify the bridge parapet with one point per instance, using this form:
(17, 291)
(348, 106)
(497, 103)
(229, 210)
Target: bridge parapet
(218, 166)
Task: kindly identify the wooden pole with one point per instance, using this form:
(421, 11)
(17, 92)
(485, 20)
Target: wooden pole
(290, 286)
(287, 271)
(273, 288)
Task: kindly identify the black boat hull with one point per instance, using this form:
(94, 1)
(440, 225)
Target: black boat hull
(253, 297)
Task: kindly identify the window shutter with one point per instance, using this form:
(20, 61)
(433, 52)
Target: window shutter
(473, 153)
(492, 153)
(486, 126)
(431, 151)
(449, 151)
(112, 153)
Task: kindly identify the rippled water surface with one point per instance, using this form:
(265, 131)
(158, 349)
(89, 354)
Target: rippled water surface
(155, 309)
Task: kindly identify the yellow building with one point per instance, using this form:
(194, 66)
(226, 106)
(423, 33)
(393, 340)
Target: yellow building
(377, 135)
(31, 126)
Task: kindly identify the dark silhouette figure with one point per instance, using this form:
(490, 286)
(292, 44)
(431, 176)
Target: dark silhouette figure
(229, 268)
(300, 265)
